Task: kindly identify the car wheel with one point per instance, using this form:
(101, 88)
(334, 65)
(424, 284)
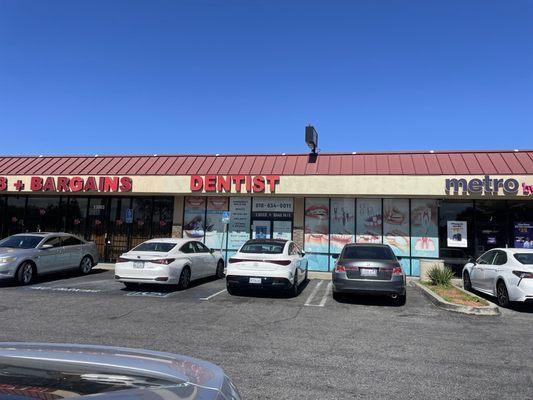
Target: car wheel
(467, 284)
(220, 269)
(25, 273)
(86, 265)
(502, 295)
(295, 289)
(131, 285)
(232, 290)
(337, 296)
(185, 278)
(401, 299)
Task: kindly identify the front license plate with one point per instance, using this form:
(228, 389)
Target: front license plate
(369, 272)
(138, 264)
(255, 281)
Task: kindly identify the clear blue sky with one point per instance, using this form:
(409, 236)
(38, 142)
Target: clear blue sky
(207, 76)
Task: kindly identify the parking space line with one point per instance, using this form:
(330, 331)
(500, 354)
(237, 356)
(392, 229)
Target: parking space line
(313, 293)
(213, 295)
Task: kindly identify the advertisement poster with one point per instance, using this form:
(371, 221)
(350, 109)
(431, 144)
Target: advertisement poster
(214, 227)
(342, 223)
(369, 221)
(317, 225)
(396, 225)
(457, 236)
(239, 224)
(523, 235)
(261, 230)
(193, 222)
(282, 230)
(424, 228)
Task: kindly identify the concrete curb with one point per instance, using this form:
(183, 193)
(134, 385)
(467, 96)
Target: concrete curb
(106, 266)
(491, 309)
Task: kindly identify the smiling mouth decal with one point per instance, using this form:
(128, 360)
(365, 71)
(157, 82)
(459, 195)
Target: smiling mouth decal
(321, 212)
(195, 201)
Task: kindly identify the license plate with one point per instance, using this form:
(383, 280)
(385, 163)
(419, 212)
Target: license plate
(138, 264)
(368, 271)
(255, 281)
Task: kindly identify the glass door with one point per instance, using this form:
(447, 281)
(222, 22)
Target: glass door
(261, 230)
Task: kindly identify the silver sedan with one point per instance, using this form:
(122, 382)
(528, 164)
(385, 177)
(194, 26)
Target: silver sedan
(26, 255)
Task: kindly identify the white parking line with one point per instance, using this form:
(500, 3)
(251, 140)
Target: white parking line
(213, 295)
(313, 293)
(327, 293)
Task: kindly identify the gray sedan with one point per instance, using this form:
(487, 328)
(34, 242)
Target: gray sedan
(369, 269)
(56, 371)
(26, 255)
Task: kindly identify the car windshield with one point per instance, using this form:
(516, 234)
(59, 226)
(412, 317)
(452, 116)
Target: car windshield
(524, 258)
(21, 242)
(368, 253)
(159, 247)
(263, 247)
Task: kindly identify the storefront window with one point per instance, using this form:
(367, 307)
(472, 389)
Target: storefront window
(118, 229)
(142, 220)
(96, 222)
(214, 227)
(162, 217)
(369, 221)
(521, 223)
(42, 214)
(239, 225)
(194, 217)
(342, 223)
(490, 225)
(76, 215)
(396, 226)
(272, 218)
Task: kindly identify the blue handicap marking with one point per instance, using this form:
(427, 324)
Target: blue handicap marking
(226, 215)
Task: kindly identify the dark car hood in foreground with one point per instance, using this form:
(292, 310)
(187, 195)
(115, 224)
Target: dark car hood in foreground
(61, 370)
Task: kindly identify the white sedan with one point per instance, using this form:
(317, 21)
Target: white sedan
(168, 262)
(267, 263)
(506, 274)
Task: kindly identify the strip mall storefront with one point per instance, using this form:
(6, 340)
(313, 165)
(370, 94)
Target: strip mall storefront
(424, 205)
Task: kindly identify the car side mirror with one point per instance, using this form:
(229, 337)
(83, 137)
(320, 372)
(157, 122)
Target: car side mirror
(472, 260)
(335, 256)
(302, 253)
(211, 251)
(46, 246)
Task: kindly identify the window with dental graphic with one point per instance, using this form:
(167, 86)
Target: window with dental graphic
(409, 227)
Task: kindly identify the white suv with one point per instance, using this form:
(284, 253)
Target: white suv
(506, 274)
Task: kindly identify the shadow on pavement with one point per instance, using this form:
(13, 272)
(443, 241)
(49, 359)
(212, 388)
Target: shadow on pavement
(56, 276)
(368, 300)
(271, 293)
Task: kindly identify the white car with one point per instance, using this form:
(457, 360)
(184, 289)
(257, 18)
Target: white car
(506, 274)
(168, 262)
(267, 263)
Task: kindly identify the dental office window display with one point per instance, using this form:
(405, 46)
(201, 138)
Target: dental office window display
(193, 218)
(424, 228)
(369, 221)
(342, 224)
(317, 225)
(214, 228)
(396, 225)
(239, 225)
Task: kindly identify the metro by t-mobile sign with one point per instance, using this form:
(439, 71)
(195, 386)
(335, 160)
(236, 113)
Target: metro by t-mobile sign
(234, 183)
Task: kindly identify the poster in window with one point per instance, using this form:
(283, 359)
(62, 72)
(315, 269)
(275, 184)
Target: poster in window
(342, 223)
(396, 225)
(368, 221)
(457, 234)
(214, 227)
(424, 228)
(317, 224)
(523, 235)
(239, 224)
(194, 214)
(282, 230)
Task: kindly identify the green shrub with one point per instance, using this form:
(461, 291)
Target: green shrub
(440, 276)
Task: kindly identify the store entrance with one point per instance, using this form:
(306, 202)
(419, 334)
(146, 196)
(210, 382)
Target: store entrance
(272, 218)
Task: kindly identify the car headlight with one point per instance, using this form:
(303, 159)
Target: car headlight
(5, 260)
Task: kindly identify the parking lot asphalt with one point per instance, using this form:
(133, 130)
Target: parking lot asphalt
(278, 347)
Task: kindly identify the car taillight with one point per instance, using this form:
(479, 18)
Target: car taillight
(523, 274)
(340, 268)
(120, 260)
(397, 271)
(279, 262)
(164, 261)
(234, 260)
